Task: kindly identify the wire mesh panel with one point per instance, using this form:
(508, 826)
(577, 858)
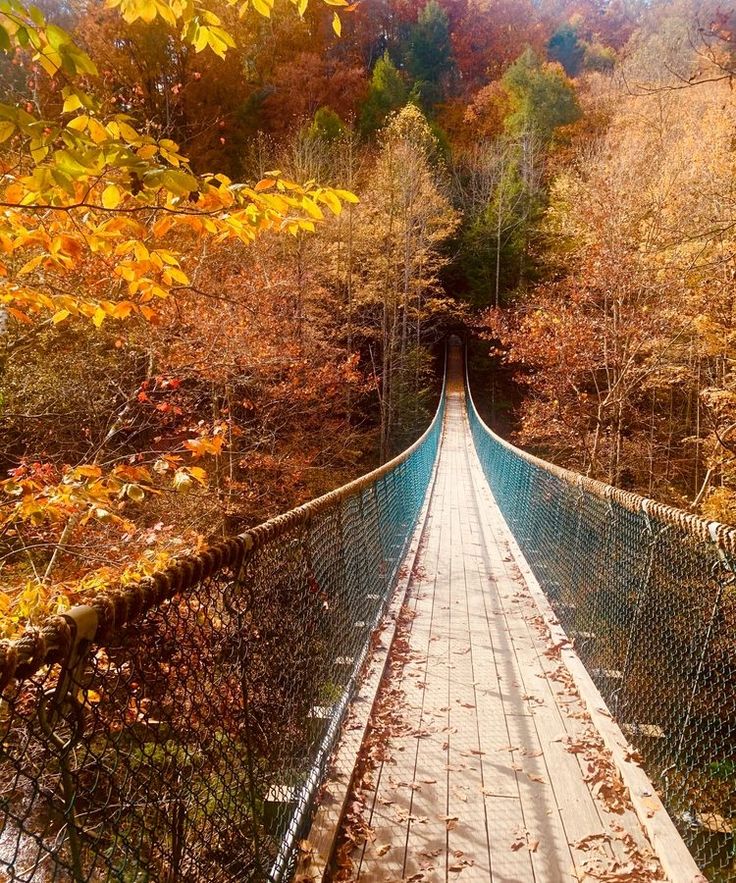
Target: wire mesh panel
(178, 730)
(648, 595)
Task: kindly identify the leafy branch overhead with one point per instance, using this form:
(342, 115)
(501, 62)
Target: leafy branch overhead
(99, 220)
(85, 192)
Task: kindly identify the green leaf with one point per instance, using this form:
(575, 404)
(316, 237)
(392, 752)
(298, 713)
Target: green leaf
(36, 16)
(178, 182)
(57, 37)
(6, 130)
(4, 40)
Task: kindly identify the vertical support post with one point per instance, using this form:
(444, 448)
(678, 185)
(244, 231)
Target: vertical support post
(62, 703)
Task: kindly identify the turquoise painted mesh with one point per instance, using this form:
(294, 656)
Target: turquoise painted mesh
(188, 743)
(647, 595)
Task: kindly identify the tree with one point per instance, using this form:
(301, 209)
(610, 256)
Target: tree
(490, 35)
(498, 185)
(326, 126)
(429, 58)
(542, 98)
(625, 351)
(565, 47)
(403, 219)
(387, 92)
(103, 221)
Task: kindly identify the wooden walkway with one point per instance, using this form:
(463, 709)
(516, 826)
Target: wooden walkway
(481, 762)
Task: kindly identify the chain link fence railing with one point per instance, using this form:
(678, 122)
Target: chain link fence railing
(178, 729)
(647, 594)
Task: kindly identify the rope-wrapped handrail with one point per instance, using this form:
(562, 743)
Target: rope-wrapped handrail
(50, 642)
(704, 530)
(645, 593)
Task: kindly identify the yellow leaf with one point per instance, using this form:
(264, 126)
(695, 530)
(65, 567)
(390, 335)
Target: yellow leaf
(217, 44)
(177, 276)
(88, 471)
(79, 124)
(312, 208)
(262, 7)
(99, 317)
(200, 41)
(147, 11)
(123, 309)
(329, 198)
(128, 132)
(347, 196)
(30, 265)
(6, 130)
(147, 151)
(336, 24)
(60, 316)
(164, 10)
(198, 473)
(97, 131)
(111, 197)
(72, 102)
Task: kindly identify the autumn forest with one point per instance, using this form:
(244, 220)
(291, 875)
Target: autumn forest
(234, 238)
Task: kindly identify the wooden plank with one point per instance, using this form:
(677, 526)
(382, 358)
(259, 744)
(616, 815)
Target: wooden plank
(394, 804)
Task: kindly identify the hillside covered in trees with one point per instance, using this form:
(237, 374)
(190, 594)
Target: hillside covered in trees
(234, 237)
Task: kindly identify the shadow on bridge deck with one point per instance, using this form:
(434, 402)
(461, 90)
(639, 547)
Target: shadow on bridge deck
(481, 762)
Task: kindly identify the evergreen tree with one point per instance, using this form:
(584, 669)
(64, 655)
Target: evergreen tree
(326, 126)
(387, 92)
(565, 47)
(541, 95)
(429, 57)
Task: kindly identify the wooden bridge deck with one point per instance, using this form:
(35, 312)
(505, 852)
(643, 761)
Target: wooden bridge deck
(481, 762)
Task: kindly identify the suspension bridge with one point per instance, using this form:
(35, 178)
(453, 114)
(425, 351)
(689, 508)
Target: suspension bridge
(468, 664)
